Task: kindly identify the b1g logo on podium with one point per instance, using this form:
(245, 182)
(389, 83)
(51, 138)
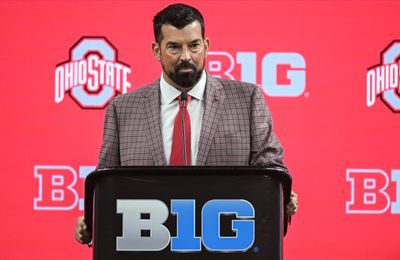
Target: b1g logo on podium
(92, 75)
(383, 79)
(149, 215)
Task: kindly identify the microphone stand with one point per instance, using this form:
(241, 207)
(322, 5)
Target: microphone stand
(184, 97)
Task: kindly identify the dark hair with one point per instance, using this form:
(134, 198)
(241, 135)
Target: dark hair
(177, 15)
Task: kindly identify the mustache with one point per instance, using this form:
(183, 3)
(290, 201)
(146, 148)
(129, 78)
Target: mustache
(185, 65)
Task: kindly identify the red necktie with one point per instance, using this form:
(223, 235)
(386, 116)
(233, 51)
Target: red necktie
(180, 136)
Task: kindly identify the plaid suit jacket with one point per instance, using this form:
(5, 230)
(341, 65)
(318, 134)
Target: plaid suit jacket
(236, 128)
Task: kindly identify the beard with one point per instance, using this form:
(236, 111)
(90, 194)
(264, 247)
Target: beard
(185, 79)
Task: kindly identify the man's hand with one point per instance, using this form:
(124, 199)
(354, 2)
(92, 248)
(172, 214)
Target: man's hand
(81, 233)
(292, 206)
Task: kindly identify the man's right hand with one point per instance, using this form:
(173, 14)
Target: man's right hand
(81, 233)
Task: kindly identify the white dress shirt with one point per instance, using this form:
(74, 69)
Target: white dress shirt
(170, 108)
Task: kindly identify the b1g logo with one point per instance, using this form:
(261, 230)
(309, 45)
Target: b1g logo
(92, 75)
(60, 187)
(283, 74)
(383, 79)
(156, 212)
(370, 191)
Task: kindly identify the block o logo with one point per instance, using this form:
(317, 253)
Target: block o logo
(391, 96)
(383, 79)
(92, 75)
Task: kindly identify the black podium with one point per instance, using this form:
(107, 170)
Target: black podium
(187, 212)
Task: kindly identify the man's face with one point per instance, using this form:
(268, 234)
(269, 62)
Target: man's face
(182, 53)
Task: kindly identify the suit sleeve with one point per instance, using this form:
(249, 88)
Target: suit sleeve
(266, 149)
(109, 154)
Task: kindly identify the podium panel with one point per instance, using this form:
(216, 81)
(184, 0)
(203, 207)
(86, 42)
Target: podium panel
(185, 213)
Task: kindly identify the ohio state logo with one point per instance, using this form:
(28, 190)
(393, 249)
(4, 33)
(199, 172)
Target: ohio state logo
(383, 79)
(92, 75)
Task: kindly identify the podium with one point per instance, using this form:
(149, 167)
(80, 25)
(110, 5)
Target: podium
(187, 212)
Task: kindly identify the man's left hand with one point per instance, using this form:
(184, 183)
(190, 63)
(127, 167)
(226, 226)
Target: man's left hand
(292, 206)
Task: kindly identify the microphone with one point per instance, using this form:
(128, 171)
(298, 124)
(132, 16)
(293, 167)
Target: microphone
(184, 97)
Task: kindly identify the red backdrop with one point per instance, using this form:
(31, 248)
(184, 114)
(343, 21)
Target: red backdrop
(342, 153)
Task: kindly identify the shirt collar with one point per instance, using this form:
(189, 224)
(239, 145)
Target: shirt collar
(169, 93)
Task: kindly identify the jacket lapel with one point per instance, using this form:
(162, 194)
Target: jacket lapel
(153, 114)
(214, 98)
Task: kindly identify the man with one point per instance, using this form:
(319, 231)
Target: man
(226, 122)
